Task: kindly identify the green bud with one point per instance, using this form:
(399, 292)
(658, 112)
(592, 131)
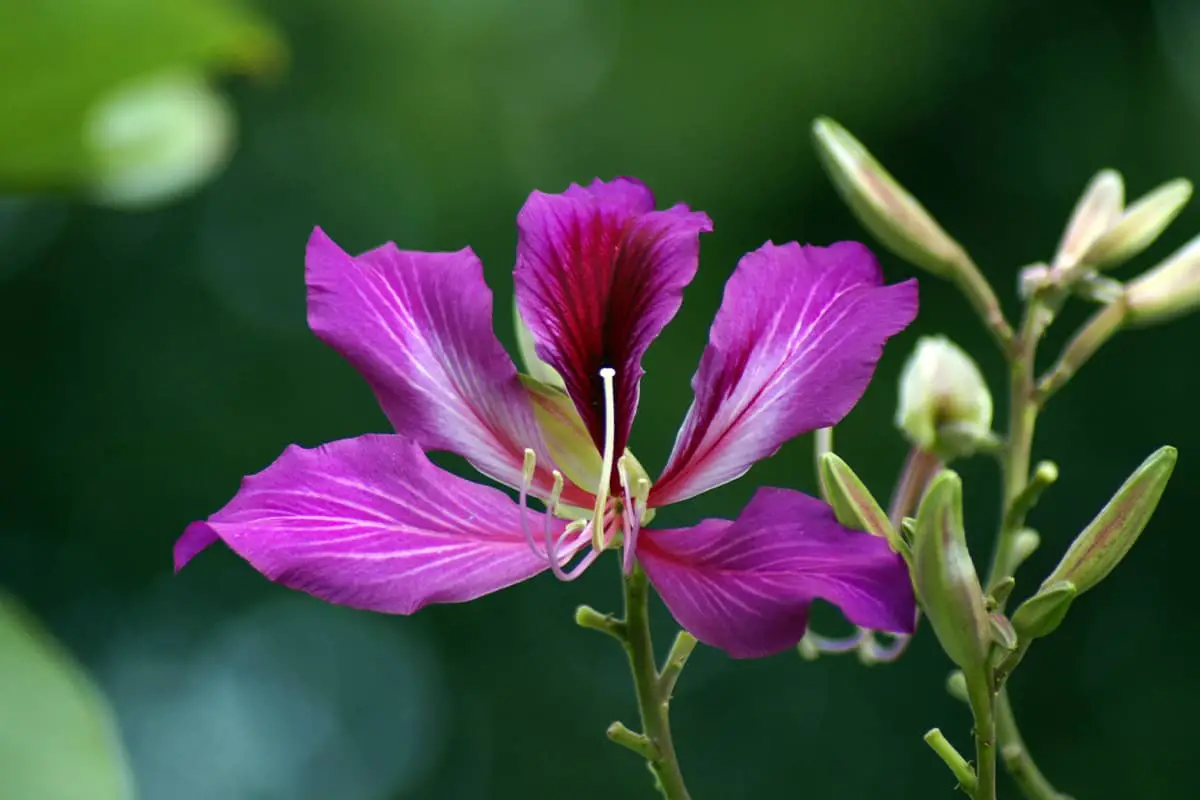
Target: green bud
(1098, 209)
(1169, 290)
(1045, 611)
(1024, 544)
(1106, 540)
(946, 581)
(945, 406)
(1000, 593)
(1140, 225)
(156, 138)
(853, 503)
(956, 686)
(1002, 631)
(882, 205)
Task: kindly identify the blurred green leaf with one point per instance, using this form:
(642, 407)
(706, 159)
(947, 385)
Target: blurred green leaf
(59, 59)
(57, 737)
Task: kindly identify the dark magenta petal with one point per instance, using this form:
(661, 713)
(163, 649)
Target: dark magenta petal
(792, 349)
(746, 586)
(599, 274)
(371, 523)
(418, 326)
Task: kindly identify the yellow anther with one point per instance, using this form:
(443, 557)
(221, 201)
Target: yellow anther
(555, 493)
(529, 466)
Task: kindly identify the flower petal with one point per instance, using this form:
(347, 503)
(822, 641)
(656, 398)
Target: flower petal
(599, 274)
(418, 326)
(746, 586)
(371, 523)
(792, 349)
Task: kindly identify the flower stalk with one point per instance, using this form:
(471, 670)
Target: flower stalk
(653, 688)
(982, 700)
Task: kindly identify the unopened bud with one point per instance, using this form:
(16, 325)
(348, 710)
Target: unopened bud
(1167, 291)
(945, 406)
(1106, 540)
(853, 503)
(1003, 634)
(1024, 544)
(1140, 225)
(1044, 612)
(946, 581)
(1098, 209)
(882, 205)
(956, 685)
(1000, 593)
(1031, 279)
(157, 138)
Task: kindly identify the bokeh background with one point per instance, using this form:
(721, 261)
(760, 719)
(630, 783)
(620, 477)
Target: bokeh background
(155, 350)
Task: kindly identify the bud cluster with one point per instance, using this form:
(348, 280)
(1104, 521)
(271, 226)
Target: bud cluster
(945, 412)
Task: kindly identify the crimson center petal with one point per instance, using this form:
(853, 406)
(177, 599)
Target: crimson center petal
(599, 274)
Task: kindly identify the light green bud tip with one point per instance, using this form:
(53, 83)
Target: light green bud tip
(1140, 225)
(882, 205)
(945, 406)
(1168, 290)
(157, 138)
(1044, 612)
(1106, 540)
(1097, 210)
(853, 503)
(947, 584)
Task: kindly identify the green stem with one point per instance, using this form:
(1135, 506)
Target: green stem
(980, 696)
(1023, 410)
(1017, 761)
(1022, 419)
(652, 701)
(957, 764)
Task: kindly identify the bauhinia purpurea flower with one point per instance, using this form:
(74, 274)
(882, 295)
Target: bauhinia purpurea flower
(370, 522)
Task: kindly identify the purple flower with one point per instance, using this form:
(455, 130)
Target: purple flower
(371, 523)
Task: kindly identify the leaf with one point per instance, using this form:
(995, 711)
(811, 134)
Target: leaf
(58, 740)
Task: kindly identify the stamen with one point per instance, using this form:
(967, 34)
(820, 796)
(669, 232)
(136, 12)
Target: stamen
(527, 470)
(606, 467)
(554, 545)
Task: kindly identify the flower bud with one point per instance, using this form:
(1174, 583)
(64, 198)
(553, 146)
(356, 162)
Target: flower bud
(1098, 209)
(1002, 631)
(882, 205)
(157, 138)
(853, 503)
(956, 686)
(945, 406)
(946, 582)
(1168, 290)
(1044, 612)
(1000, 593)
(1140, 225)
(1106, 540)
(1024, 544)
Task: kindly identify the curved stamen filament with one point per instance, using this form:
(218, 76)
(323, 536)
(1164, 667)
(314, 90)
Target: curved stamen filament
(527, 470)
(606, 466)
(551, 545)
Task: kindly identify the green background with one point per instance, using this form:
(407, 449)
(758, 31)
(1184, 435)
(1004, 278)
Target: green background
(151, 359)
